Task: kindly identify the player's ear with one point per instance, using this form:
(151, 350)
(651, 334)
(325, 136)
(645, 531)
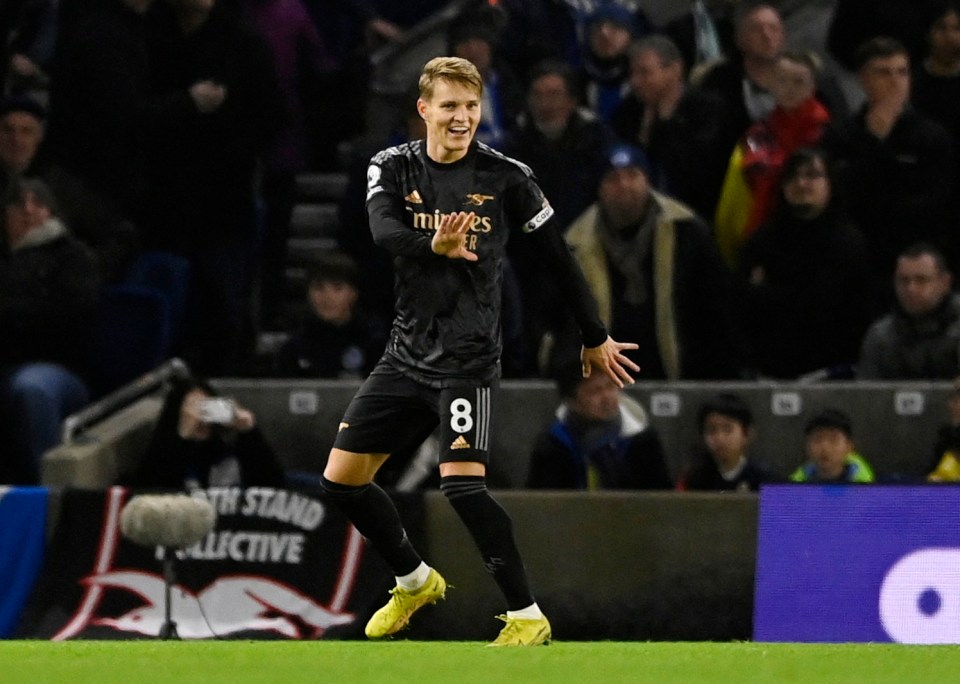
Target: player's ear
(422, 108)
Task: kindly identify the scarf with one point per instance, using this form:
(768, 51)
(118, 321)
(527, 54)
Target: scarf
(628, 250)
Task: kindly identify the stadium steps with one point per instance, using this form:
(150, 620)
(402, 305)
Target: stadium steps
(313, 225)
(321, 186)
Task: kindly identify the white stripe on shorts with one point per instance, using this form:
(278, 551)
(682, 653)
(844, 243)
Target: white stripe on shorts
(483, 418)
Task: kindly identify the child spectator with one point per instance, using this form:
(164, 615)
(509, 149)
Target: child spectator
(831, 453)
(726, 427)
(337, 339)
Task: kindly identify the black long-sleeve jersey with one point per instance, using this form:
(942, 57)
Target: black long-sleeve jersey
(447, 324)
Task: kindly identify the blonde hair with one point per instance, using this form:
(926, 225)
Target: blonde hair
(454, 69)
(807, 58)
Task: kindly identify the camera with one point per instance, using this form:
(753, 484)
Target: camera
(217, 411)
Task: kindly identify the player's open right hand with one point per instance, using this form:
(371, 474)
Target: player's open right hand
(450, 238)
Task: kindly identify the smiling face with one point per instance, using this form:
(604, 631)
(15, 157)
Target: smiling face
(452, 114)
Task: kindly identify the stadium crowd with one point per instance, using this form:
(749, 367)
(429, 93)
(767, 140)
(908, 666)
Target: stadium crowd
(738, 211)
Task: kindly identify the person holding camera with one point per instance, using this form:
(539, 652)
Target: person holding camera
(203, 440)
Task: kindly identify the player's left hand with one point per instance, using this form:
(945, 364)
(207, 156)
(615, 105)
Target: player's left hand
(609, 359)
(450, 238)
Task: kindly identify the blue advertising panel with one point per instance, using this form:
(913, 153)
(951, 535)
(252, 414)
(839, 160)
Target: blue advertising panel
(858, 563)
(23, 520)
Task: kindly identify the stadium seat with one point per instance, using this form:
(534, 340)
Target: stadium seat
(138, 321)
(170, 274)
(132, 334)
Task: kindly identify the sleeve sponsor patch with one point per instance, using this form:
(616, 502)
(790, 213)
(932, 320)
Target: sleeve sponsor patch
(373, 180)
(542, 217)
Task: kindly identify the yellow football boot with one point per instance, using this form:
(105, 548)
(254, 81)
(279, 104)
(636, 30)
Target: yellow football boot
(522, 632)
(403, 604)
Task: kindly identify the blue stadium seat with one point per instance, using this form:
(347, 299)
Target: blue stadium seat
(132, 334)
(170, 274)
(138, 321)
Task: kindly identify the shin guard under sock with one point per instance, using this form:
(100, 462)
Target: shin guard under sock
(492, 532)
(374, 515)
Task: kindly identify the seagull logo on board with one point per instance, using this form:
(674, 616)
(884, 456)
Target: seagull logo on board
(121, 596)
(239, 603)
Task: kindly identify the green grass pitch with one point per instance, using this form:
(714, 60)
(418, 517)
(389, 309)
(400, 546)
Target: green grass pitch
(423, 662)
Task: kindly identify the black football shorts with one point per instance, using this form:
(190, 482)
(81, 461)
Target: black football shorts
(392, 413)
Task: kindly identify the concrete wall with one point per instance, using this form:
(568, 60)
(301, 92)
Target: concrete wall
(619, 566)
(658, 566)
(98, 456)
(894, 423)
(301, 417)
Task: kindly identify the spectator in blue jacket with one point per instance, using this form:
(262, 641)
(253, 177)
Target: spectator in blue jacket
(601, 439)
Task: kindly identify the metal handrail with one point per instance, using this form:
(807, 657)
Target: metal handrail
(121, 398)
(381, 58)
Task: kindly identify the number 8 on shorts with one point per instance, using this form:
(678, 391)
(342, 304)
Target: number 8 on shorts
(465, 425)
